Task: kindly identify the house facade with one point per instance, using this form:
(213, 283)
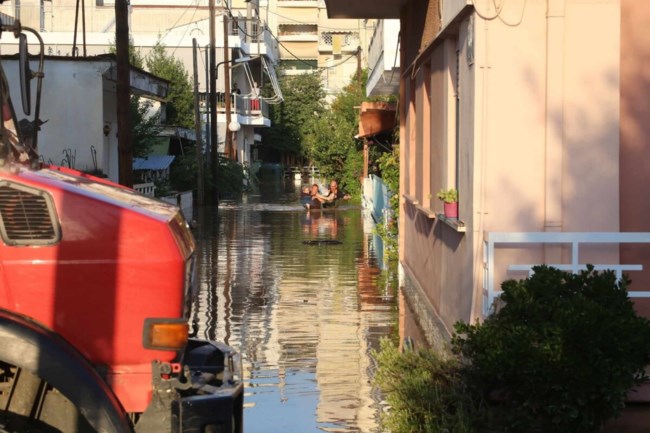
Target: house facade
(535, 112)
(78, 104)
(310, 41)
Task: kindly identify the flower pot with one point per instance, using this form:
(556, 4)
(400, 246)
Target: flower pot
(451, 210)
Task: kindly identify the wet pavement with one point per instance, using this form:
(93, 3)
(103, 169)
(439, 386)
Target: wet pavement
(305, 315)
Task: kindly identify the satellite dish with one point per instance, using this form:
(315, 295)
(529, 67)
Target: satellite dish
(234, 126)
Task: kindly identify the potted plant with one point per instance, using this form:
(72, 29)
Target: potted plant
(450, 199)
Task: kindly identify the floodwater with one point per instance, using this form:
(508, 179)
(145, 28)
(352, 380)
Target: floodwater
(304, 315)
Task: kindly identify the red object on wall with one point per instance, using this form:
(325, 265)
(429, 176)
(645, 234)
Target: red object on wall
(451, 210)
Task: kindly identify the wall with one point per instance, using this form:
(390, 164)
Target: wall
(77, 86)
(634, 133)
(532, 145)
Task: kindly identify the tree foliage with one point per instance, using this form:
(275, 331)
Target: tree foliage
(180, 102)
(135, 56)
(293, 120)
(332, 146)
(145, 126)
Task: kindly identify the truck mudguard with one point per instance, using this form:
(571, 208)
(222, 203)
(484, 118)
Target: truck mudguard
(26, 344)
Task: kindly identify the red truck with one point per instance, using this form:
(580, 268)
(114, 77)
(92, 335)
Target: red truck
(96, 288)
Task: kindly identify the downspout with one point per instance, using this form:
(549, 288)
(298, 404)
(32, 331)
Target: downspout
(554, 119)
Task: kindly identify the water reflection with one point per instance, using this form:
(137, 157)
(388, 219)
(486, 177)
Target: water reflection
(305, 317)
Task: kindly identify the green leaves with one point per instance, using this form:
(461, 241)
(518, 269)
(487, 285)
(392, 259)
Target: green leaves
(293, 120)
(563, 352)
(180, 99)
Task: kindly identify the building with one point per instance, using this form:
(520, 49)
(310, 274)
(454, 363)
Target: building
(69, 30)
(310, 41)
(83, 136)
(536, 113)
(383, 57)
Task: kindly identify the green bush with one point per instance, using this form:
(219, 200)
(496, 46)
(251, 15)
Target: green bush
(560, 355)
(230, 178)
(426, 392)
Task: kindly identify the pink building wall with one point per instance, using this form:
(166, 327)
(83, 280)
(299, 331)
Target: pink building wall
(635, 135)
(533, 145)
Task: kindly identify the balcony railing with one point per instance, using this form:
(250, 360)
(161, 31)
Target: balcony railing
(244, 105)
(574, 240)
(148, 189)
(247, 27)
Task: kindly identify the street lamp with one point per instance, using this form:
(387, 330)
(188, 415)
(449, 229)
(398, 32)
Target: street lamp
(237, 60)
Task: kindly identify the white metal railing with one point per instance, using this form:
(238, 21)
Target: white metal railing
(148, 189)
(243, 104)
(574, 239)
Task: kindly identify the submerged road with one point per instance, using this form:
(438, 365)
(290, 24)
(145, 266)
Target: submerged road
(302, 297)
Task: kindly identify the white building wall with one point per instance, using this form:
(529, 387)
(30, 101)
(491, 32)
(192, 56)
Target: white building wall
(74, 113)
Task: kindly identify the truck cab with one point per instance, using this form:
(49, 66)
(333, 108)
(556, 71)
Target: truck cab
(96, 288)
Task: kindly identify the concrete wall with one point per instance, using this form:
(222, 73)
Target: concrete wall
(74, 106)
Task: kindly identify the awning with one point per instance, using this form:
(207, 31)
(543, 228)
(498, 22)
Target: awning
(153, 162)
(376, 117)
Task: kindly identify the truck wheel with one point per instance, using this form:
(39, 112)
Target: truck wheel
(32, 405)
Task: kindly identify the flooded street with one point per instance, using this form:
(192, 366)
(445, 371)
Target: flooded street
(301, 296)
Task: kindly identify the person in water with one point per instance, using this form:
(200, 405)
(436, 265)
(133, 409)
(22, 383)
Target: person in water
(305, 196)
(331, 199)
(311, 198)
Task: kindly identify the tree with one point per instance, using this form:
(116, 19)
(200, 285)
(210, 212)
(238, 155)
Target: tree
(145, 126)
(135, 56)
(332, 146)
(180, 105)
(294, 120)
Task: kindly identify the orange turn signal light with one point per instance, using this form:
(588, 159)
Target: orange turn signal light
(165, 334)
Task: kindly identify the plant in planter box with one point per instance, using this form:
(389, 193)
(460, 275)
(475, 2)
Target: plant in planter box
(450, 199)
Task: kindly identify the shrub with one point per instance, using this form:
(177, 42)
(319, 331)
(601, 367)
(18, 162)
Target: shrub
(561, 355)
(425, 390)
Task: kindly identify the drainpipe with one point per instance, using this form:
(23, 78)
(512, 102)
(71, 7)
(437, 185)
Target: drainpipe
(554, 128)
(554, 112)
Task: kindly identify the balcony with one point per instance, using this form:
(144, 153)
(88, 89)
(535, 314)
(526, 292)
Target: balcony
(292, 32)
(338, 42)
(249, 111)
(252, 37)
(383, 59)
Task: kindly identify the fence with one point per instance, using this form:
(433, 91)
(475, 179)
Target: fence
(574, 240)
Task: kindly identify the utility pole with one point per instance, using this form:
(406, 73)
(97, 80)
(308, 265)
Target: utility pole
(226, 79)
(123, 85)
(197, 129)
(359, 67)
(208, 108)
(213, 104)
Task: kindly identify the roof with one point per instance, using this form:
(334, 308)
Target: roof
(153, 162)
